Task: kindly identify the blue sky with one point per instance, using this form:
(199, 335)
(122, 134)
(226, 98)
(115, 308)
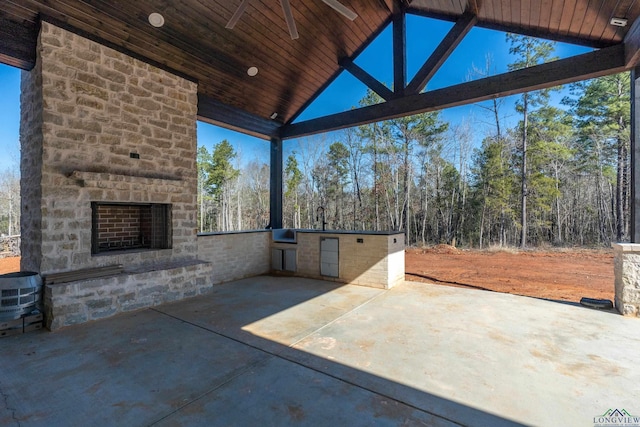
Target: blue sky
(423, 35)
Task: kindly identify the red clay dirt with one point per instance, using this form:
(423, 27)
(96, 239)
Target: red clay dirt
(9, 265)
(564, 275)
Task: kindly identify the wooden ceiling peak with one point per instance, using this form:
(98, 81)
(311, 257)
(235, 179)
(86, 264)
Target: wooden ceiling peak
(292, 73)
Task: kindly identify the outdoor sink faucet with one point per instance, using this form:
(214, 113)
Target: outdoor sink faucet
(318, 213)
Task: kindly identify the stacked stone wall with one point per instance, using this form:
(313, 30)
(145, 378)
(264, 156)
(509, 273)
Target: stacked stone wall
(235, 256)
(627, 278)
(84, 300)
(31, 122)
(86, 108)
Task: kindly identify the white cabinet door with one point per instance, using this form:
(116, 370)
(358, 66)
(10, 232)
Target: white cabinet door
(329, 256)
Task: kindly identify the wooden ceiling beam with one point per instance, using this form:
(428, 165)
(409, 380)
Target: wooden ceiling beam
(473, 6)
(18, 44)
(328, 83)
(388, 4)
(442, 52)
(399, 48)
(215, 112)
(366, 78)
(589, 65)
(632, 44)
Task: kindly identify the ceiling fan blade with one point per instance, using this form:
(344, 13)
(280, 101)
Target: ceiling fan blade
(237, 14)
(341, 9)
(288, 16)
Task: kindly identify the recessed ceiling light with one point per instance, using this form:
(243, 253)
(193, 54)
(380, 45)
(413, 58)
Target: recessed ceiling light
(618, 22)
(156, 19)
(252, 71)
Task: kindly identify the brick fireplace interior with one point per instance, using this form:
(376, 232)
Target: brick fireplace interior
(121, 227)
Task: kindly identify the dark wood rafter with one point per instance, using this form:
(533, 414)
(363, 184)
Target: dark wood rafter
(366, 78)
(632, 44)
(589, 65)
(473, 6)
(388, 4)
(215, 112)
(442, 52)
(12, 51)
(399, 48)
(338, 72)
(194, 44)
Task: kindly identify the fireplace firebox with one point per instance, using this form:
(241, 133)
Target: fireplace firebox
(130, 226)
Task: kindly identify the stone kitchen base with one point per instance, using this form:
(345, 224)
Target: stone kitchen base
(84, 300)
(365, 258)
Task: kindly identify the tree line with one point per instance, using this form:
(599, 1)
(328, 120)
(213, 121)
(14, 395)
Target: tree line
(559, 176)
(9, 203)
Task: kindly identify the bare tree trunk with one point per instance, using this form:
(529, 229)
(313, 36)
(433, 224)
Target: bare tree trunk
(239, 209)
(484, 208)
(375, 183)
(523, 200)
(425, 210)
(558, 217)
(201, 201)
(620, 185)
(404, 214)
(602, 234)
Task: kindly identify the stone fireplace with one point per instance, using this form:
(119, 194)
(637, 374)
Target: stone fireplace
(109, 178)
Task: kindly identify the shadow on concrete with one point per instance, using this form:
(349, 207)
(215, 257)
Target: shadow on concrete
(227, 358)
(273, 315)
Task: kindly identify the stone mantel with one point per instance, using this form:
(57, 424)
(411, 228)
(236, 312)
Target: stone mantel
(115, 181)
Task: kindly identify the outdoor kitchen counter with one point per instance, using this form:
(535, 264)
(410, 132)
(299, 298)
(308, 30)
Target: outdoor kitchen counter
(367, 258)
(361, 232)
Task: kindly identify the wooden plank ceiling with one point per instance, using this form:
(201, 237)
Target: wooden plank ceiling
(195, 43)
(585, 22)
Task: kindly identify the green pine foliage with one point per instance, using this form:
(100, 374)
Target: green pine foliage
(420, 175)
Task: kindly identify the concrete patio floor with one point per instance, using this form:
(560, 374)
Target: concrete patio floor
(289, 351)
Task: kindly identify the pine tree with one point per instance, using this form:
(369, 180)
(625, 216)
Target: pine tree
(293, 178)
(219, 172)
(529, 51)
(602, 110)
